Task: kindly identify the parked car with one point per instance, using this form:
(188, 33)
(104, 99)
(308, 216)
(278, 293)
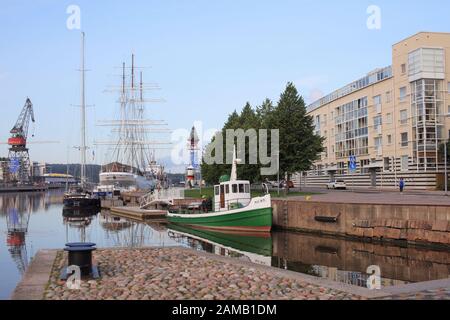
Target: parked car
(336, 184)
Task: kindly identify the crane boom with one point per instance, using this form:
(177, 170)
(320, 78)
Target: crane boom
(20, 130)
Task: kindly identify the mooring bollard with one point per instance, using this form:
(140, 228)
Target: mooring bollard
(80, 254)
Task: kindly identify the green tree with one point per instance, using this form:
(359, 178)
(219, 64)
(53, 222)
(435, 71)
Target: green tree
(299, 145)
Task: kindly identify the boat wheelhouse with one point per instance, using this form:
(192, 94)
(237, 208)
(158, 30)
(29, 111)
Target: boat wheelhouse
(231, 194)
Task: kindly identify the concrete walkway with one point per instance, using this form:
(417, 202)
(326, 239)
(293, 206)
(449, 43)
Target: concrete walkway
(35, 280)
(424, 198)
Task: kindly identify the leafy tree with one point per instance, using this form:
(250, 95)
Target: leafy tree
(299, 145)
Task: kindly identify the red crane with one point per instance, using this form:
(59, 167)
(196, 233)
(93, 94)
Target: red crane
(19, 159)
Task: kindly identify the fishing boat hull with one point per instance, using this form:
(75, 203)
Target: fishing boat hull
(256, 217)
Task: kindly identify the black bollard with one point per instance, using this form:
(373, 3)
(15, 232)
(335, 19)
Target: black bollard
(80, 254)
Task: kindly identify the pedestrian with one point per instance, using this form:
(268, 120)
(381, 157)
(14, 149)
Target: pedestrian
(401, 184)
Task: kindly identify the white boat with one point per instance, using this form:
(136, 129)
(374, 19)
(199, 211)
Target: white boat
(234, 208)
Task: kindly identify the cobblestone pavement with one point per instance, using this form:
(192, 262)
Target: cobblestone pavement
(173, 273)
(437, 294)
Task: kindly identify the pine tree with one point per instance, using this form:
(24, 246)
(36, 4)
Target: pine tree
(299, 145)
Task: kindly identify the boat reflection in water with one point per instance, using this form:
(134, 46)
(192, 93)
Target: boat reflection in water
(79, 219)
(254, 247)
(128, 233)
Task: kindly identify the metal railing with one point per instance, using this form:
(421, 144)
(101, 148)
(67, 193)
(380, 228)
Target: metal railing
(162, 194)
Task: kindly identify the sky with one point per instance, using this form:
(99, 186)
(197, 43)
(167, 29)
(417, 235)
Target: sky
(208, 57)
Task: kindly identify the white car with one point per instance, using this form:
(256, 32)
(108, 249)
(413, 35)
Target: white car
(336, 184)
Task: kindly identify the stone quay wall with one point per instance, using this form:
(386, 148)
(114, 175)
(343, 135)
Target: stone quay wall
(416, 224)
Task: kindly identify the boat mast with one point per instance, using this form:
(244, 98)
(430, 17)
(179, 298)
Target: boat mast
(233, 176)
(83, 117)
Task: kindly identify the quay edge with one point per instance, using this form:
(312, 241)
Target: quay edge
(424, 225)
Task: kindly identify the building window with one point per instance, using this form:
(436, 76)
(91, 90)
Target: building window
(424, 61)
(403, 68)
(402, 93)
(377, 100)
(388, 96)
(404, 142)
(352, 130)
(403, 116)
(389, 139)
(332, 115)
(404, 163)
(387, 164)
(377, 121)
(448, 110)
(448, 87)
(389, 118)
(378, 145)
(317, 125)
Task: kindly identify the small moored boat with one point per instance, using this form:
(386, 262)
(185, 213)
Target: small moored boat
(234, 209)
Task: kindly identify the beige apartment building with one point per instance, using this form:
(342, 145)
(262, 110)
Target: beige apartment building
(393, 120)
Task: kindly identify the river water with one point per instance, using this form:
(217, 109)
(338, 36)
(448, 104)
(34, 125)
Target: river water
(33, 221)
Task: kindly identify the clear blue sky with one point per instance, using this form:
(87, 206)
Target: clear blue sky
(209, 57)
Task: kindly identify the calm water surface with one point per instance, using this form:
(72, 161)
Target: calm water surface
(33, 221)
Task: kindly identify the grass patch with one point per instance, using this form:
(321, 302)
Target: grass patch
(209, 192)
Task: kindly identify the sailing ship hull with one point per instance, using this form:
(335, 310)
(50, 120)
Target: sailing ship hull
(256, 217)
(125, 180)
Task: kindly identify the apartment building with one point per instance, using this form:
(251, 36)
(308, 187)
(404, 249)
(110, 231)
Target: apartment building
(393, 121)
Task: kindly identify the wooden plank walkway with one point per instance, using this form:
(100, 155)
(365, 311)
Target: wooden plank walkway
(137, 213)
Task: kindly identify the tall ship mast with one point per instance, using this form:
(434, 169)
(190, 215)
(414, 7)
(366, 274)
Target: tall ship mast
(81, 197)
(132, 153)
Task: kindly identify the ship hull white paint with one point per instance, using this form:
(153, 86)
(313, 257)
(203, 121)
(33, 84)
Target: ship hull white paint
(126, 180)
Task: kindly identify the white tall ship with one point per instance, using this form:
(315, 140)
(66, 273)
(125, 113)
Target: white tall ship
(132, 154)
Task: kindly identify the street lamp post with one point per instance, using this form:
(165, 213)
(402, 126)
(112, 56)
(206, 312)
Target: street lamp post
(445, 169)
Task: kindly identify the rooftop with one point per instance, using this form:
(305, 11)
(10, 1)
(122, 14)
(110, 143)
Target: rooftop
(371, 78)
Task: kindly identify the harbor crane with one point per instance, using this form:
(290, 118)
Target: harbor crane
(19, 159)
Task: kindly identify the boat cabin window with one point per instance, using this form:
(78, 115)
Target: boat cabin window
(227, 188)
(247, 188)
(241, 188)
(216, 188)
(234, 188)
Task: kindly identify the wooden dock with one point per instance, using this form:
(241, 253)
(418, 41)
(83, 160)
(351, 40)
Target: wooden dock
(137, 213)
(14, 189)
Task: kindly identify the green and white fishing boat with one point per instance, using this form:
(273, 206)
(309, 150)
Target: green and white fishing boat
(234, 210)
